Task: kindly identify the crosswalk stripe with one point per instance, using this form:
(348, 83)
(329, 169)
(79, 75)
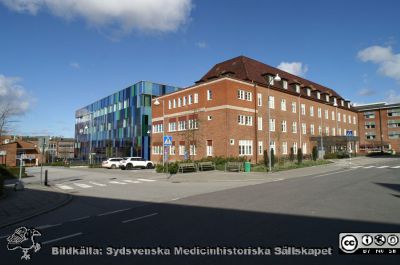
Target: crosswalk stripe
(117, 182)
(97, 184)
(64, 187)
(81, 185)
(369, 167)
(356, 167)
(131, 181)
(396, 167)
(383, 167)
(148, 180)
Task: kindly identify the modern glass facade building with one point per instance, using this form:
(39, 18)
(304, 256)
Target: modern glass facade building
(118, 125)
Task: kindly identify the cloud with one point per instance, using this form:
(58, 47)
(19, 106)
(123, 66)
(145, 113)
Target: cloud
(366, 92)
(202, 44)
(75, 65)
(393, 96)
(119, 16)
(295, 68)
(388, 62)
(14, 95)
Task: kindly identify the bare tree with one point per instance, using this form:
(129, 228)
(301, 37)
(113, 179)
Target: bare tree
(6, 112)
(192, 134)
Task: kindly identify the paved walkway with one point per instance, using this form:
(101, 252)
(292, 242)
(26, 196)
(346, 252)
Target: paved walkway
(18, 206)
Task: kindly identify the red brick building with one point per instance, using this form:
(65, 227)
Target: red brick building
(13, 149)
(226, 114)
(379, 126)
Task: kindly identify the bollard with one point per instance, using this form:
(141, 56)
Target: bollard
(45, 177)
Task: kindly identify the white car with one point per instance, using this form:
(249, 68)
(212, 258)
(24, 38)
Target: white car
(135, 162)
(112, 162)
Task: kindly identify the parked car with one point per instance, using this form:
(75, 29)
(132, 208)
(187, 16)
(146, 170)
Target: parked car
(135, 162)
(112, 162)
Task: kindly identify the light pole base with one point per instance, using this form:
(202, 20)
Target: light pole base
(19, 186)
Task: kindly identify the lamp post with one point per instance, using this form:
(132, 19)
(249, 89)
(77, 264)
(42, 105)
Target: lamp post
(157, 103)
(336, 133)
(276, 78)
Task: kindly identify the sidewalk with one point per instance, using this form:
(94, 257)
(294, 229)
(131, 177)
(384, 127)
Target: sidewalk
(18, 206)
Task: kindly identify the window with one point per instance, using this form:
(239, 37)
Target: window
(259, 123)
(193, 124)
(209, 95)
(192, 149)
(349, 118)
(244, 95)
(333, 115)
(172, 150)
(209, 117)
(124, 123)
(157, 128)
(295, 148)
(283, 126)
(209, 149)
(339, 131)
(319, 112)
(259, 99)
(297, 88)
(369, 115)
(312, 111)
(232, 141)
(283, 104)
(196, 98)
(271, 80)
(303, 109)
(327, 131)
(174, 103)
(284, 148)
(312, 131)
(334, 101)
(369, 125)
(284, 84)
(327, 98)
(245, 120)
(181, 125)
(119, 105)
(271, 102)
(348, 105)
(394, 135)
(371, 136)
(326, 114)
(303, 128)
(333, 132)
(272, 146)
(344, 118)
(157, 150)
(169, 104)
(181, 150)
(342, 103)
(179, 102)
(294, 127)
(304, 148)
(190, 99)
(184, 101)
(245, 147)
(354, 119)
(318, 95)
(308, 92)
(319, 129)
(393, 112)
(393, 123)
(272, 125)
(260, 147)
(294, 107)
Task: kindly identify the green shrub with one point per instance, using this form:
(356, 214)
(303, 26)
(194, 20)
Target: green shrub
(173, 168)
(159, 168)
(291, 154)
(266, 159)
(314, 153)
(272, 157)
(299, 156)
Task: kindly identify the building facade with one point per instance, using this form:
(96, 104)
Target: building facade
(12, 150)
(118, 125)
(379, 126)
(229, 111)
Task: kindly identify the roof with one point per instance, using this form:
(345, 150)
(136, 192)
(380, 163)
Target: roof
(248, 69)
(378, 105)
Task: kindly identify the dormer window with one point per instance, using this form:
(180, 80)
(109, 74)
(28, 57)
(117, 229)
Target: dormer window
(271, 80)
(284, 84)
(297, 88)
(327, 98)
(342, 103)
(334, 101)
(318, 95)
(348, 105)
(308, 92)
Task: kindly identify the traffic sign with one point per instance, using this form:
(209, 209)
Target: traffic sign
(349, 133)
(167, 140)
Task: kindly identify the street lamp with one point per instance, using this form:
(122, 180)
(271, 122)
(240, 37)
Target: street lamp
(157, 103)
(336, 133)
(276, 78)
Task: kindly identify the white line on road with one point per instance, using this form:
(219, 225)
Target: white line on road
(64, 187)
(175, 199)
(138, 218)
(277, 179)
(369, 167)
(97, 184)
(79, 218)
(117, 182)
(46, 226)
(332, 173)
(383, 167)
(148, 180)
(61, 238)
(116, 211)
(356, 167)
(81, 185)
(396, 167)
(131, 181)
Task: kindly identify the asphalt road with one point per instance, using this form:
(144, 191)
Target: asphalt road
(307, 211)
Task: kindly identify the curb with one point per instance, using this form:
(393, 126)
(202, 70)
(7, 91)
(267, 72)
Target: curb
(25, 218)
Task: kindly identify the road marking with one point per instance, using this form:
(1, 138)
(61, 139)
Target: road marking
(116, 211)
(175, 199)
(139, 218)
(327, 174)
(277, 179)
(85, 186)
(64, 187)
(396, 167)
(60, 238)
(79, 218)
(383, 167)
(148, 180)
(46, 226)
(117, 182)
(356, 167)
(369, 167)
(131, 181)
(97, 184)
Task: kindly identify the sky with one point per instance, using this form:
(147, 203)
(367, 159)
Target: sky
(57, 56)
